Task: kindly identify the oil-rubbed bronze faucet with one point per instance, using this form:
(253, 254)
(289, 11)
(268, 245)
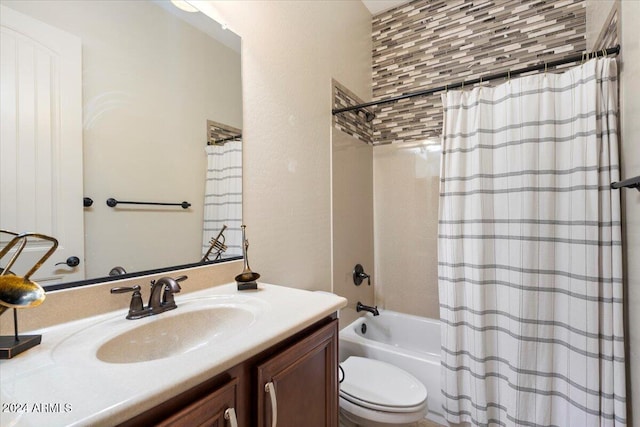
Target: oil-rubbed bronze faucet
(373, 310)
(170, 287)
(160, 300)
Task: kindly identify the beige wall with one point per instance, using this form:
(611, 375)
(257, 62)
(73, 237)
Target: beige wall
(597, 13)
(630, 161)
(290, 52)
(406, 183)
(352, 182)
(149, 82)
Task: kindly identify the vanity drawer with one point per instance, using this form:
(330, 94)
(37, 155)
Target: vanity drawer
(208, 411)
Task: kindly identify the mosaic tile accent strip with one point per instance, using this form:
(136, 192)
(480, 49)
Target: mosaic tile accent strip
(430, 43)
(352, 123)
(217, 131)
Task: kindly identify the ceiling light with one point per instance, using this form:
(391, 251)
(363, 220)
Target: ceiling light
(184, 5)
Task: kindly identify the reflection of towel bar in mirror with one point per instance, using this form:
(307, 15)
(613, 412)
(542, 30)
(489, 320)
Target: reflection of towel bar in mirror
(628, 183)
(111, 202)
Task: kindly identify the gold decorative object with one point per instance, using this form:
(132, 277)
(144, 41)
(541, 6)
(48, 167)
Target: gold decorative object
(20, 292)
(217, 245)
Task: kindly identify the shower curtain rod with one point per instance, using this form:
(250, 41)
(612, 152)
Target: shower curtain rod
(223, 140)
(508, 74)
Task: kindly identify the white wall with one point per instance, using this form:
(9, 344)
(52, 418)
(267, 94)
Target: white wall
(630, 161)
(597, 13)
(406, 191)
(352, 221)
(290, 52)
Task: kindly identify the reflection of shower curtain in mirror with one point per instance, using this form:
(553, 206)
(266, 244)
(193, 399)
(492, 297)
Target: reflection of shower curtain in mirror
(223, 196)
(530, 252)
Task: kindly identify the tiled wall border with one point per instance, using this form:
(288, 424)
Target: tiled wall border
(217, 131)
(429, 43)
(351, 123)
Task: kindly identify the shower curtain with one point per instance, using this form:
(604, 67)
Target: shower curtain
(529, 252)
(223, 196)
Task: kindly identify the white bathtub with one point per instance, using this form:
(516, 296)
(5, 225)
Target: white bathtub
(408, 342)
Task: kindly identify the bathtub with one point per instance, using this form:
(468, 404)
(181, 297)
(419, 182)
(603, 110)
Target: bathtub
(408, 342)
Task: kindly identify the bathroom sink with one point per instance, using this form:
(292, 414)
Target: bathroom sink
(170, 336)
(196, 324)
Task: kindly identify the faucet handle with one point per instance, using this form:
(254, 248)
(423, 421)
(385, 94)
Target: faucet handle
(359, 275)
(136, 306)
(125, 289)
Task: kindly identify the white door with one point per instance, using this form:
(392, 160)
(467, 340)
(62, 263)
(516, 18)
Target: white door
(41, 143)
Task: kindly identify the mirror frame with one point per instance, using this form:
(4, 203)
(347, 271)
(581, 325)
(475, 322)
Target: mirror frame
(106, 279)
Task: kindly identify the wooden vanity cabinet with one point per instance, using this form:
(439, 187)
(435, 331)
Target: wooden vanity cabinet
(208, 411)
(304, 383)
(203, 405)
(302, 370)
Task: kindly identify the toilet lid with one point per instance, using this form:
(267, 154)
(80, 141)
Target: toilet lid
(378, 384)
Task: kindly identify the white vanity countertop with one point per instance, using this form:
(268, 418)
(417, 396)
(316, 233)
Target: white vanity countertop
(61, 382)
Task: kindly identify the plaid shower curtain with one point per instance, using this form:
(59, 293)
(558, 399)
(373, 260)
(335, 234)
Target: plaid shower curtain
(529, 251)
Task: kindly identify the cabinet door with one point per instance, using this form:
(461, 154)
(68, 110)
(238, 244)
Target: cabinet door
(208, 411)
(304, 383)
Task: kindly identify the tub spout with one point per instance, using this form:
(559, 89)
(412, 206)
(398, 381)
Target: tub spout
(361, 307)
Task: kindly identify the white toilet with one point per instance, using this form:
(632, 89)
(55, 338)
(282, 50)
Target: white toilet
(378, 394)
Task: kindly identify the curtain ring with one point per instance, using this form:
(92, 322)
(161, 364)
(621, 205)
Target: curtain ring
(509, 76)
(545, 68)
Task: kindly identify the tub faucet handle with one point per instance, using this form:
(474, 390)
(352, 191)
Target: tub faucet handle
(359, 275)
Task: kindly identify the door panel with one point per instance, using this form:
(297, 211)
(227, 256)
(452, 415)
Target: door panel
(41, 142)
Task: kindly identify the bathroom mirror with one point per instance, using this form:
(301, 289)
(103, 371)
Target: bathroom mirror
(153, 76)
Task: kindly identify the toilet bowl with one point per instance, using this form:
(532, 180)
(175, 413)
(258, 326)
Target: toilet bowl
(378, 394)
